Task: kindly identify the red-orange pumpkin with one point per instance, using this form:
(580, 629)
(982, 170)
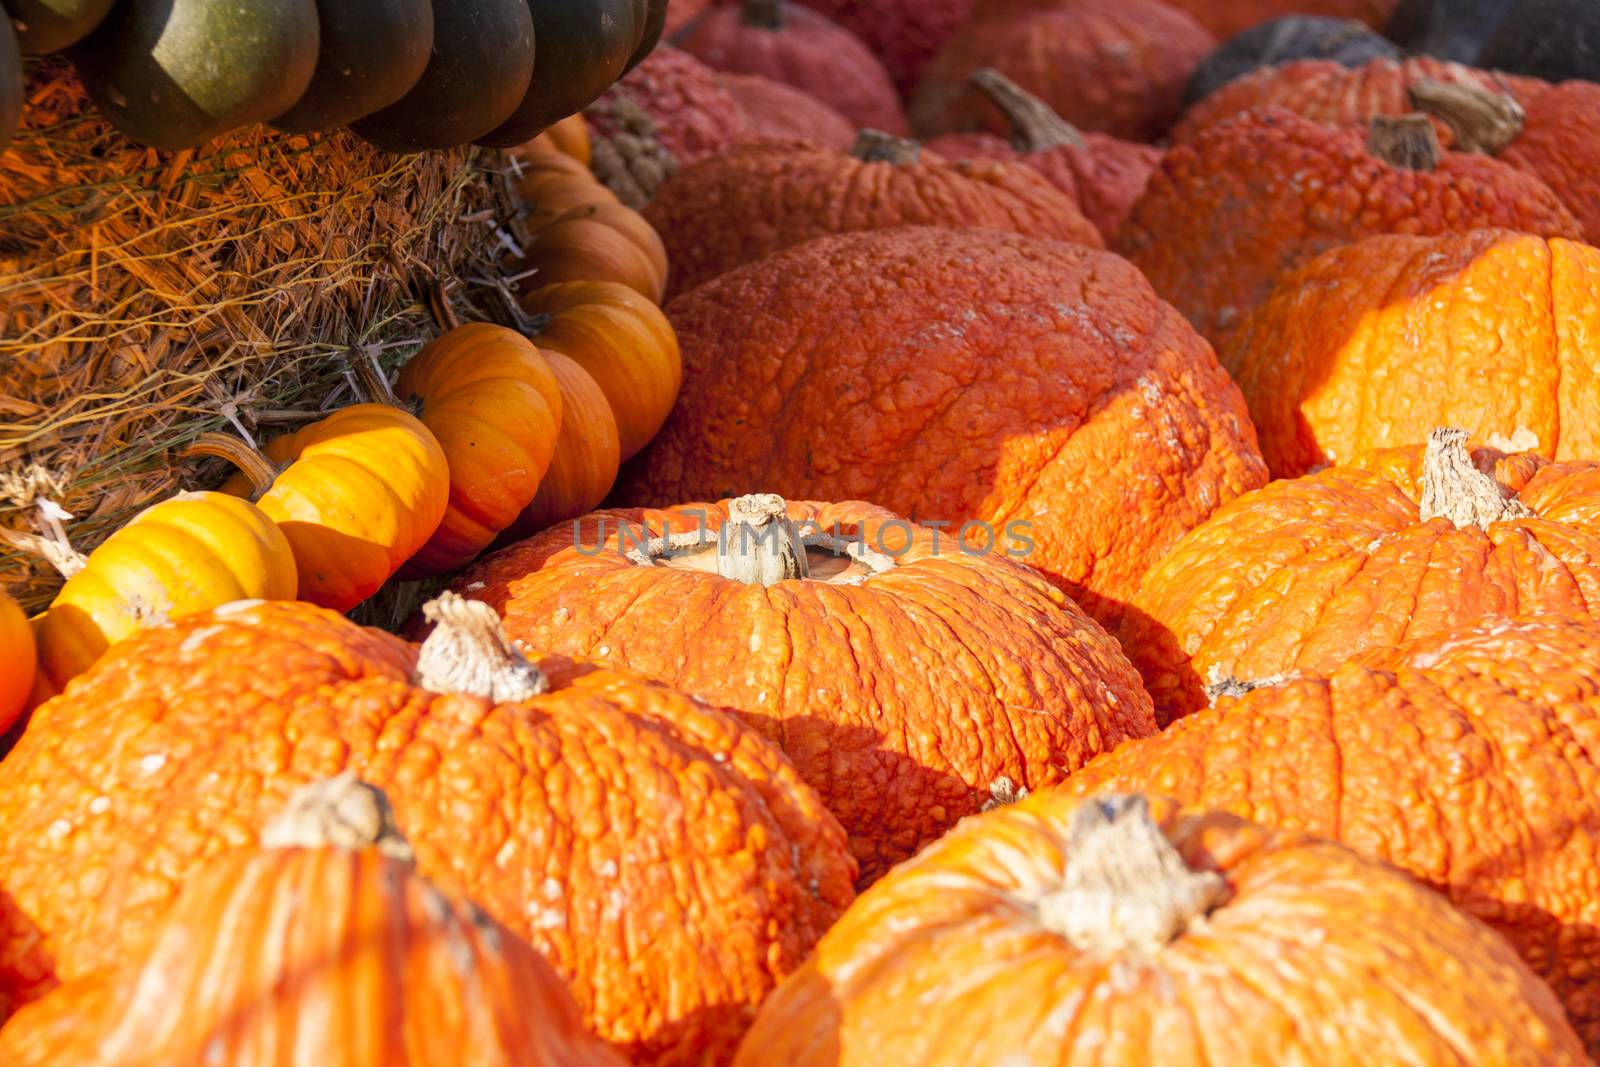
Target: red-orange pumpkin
(775, 111)
(18, 665)
(1224, 18)
(905, 34)
(1560, 143)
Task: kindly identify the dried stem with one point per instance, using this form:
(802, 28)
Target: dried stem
(1035, 127)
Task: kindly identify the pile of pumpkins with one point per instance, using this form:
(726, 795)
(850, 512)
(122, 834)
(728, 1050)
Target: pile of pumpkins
(1112, 578)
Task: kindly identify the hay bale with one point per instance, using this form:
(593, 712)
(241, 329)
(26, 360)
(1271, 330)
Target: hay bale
(147, 297)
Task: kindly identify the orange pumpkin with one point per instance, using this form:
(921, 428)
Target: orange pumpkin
(587, 453)
(598, 243)
(1116, 931)
(665, 859)
(623, 341)
(490, 399)
(1461, 758)
(323, 950)
(19, 663)
(550, 184)
(1308, 573)
(1561, 144)
(570, 137)
(357, 494)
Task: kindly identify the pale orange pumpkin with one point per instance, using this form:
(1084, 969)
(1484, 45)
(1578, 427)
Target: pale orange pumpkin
(587, 454)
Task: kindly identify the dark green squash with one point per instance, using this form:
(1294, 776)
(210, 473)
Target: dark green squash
(480, 70)
(50, 25)
(655, 24)
(581, 48)
(1446, 29)
(373, 53)
(221, 65)
(10, 83)
(1283, 40)
(1557, 40)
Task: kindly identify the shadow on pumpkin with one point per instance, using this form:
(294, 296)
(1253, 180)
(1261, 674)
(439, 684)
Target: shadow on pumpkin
(29, 968)
(1157, 644)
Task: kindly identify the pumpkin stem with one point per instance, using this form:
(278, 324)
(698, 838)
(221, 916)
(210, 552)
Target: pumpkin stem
(338, 812)
(1406, 141)
(1480, 119)
(764, 14)
(261, 471)
(1035, 127)
(1452, 488)
(468, 653)
(875, 146)
(760, 544)
(1003, 792)
(1125, 887)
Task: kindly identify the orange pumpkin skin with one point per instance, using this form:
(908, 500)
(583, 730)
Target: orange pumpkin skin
(490, 399)
(860, 683)
(1325, 91)
(1308, 573)
(551, 184)
(587, 454)
(1277, 190)
(553, 814)
(775, 111)
(584, 245)
(1116, 66)
(1281, 971)
(570, 137)
(1226, 19)
(1561, 144)
(19, 663)
(1464, 759)
(905, 34)
(763, 197)
(1371, 345)
(314, 958)
(912, 380)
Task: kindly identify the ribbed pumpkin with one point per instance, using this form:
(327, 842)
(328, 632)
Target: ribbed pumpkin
(775, 111)
(586, 458)
(1308, 573)
(551, 183)
(1374, 344)
(187, 554)
(623, 341)
(323, 950)
(491, 401)
(570, 137)
(907, 679)
(1560, 142)
(1327, 92)
(795, 45)
(1231, 212)
(1103, 174)
(959, 376)
(357, 494)
(763, 197)
(1116, 66)
(661, 855)
(1224, 18)
(905, 34)
(20, 662)
(599, 242)
(1117, 930)
(1466, 759)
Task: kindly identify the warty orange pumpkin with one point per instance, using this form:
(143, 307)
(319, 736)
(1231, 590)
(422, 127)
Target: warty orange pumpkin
(905, 678)
(19, 663)
(357, 494)
(689, 116)
(1116, 66)
(187, 554)
(624, 342)
(775, 111)
(491, 401)
(765, 196)
(324, 949)
(1308, 573)
(587, 454)
(904, 34)
(1374, 344)
(1265, 192)
(1116, 930)
(1466, 759)
(958, 376)
(664, 858)
(1560, 142)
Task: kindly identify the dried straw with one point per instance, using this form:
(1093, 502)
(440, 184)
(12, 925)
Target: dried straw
(148, 297)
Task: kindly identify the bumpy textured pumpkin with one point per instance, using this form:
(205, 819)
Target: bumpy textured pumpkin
(492, 403)
(959, 376)
(586, 458)
(1224, 18)
(1347, 42)
(623, 341)
(1117, 930)
(325, 950)
(1103, 174)
(357, 494)
(682, 12)
(905, 34)
(184, 555)
(1117, 66)
(797, 46)
(1560, 142)
(1345, 96)
(907, 680)
(1309, 572)
(1232, 211)
(20, 662)
(1466, 759)
(661, 855)
(1376, 343)
(765, 196)
(775, 111)
(600, 242)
